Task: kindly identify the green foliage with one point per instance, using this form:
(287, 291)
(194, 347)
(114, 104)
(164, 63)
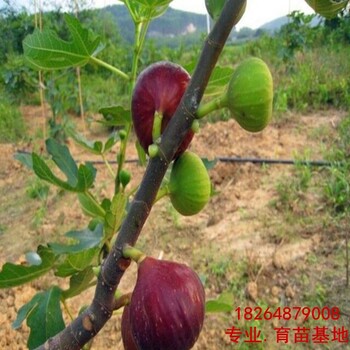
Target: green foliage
(78, 179)
(15, 275)
(14, 27)
(19, 80)
(296, 35)
(12, 126)
(224, 303)
(44, 316)
(337, 186)
(45, 50)
(310, 77)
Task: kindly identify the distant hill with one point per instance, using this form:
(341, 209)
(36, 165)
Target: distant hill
(172, 24)
(275, 24)
(177, 26)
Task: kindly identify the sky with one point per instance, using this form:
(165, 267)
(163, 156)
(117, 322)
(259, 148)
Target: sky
(257, 13)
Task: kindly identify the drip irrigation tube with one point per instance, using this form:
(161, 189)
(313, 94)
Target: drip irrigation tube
(274, 161)
(235, 160)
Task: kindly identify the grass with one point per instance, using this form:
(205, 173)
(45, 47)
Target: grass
(12, 128)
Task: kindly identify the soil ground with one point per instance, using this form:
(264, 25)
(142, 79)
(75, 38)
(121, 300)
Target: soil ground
(256, 240)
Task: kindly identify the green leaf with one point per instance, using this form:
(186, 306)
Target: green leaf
(44, 50)
(44, 317)
(86, 175)
(114, 216)
(76, 262)
(95, 147)
(63, 159)
(115, 116)
(78, 283)
(224, 303)
(146, 10)
(86, 239)
(209, 164)
(42, 170)
(25, 159)
(112, 140)
(13, 275)
(218, 81)
(141, 153)
(23, 312)
(90, 206)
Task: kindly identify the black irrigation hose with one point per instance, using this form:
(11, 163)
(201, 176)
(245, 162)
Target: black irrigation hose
(235, 160)
(275, 161)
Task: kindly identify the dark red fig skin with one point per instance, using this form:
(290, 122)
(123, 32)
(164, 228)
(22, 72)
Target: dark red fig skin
(159, 88)
(167, 306)
(128, 338)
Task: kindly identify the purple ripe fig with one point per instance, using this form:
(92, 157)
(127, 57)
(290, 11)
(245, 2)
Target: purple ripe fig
(128, 338)
(158, 90)
(167, 306)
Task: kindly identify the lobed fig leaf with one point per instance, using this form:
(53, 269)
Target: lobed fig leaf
(214, 8)
(43, 315)
(189, 184)
(166, 307)
(250, 94)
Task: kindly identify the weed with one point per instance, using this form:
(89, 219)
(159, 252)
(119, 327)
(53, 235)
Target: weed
(11, 122)
(38, 190)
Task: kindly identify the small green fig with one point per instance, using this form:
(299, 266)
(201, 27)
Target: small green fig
(250, 94)
(124, 177)
(328, 8)
(189, 185)
(214, 8)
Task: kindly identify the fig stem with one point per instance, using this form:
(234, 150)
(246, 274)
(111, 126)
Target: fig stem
(110, 170)
(67, 309)
(157, 126)
(211, 106)
(93, 199)
(121, 300)
(133, 253)
(153, 150)
(164, 191)
(195, 126)
(75, 335)
(140, 35)
(96, 270)
(110, 67)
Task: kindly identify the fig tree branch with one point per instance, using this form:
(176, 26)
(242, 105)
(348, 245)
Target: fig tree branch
(90, 322)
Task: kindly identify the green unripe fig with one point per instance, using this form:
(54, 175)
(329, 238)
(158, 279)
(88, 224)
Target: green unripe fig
(214, 8)
(122, 134)
(124, 177)
(327, 8)
(250, 94)
(189, 185)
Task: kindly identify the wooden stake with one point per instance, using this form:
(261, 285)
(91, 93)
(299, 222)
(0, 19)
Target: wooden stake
(38, 22)
(78, 72)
